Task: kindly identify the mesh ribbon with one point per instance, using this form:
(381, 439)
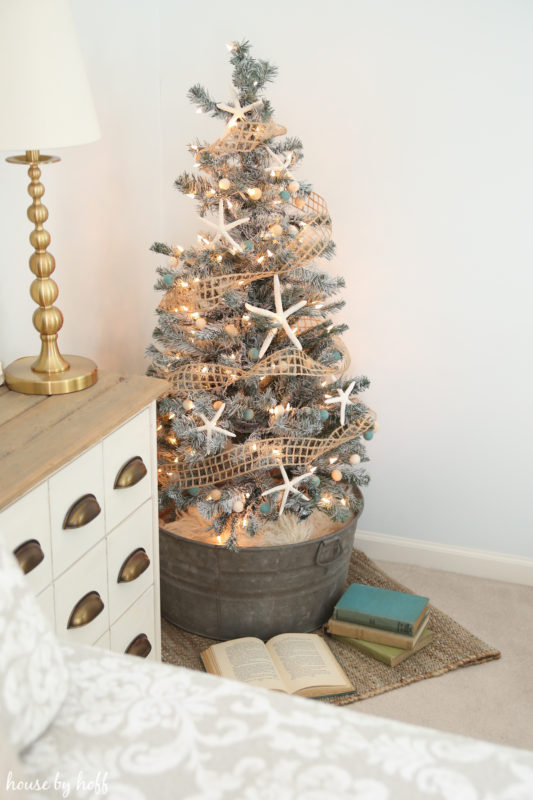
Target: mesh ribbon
(206, 293)
(262, 454)
(244, 137)
(211, 377)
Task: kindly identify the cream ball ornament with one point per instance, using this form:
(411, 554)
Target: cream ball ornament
(200, 323)
(224, 184)
(355, 458)
(188, 405)
(336, 475)
(238, 506)
(293, 187)
(231, 330)
(255, 192)
(216, 494)
(276, 229)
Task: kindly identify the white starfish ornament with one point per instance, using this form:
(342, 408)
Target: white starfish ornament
(281, 164)
(222, 228)
(280, 317)
(287, 487)
(237, 110)
(210, 425)
(343, 399)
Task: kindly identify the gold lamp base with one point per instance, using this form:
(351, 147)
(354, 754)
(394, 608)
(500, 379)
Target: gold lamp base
(49, 373)
(20, 376)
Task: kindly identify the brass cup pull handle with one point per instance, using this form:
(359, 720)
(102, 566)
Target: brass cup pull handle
(85, 610)
(133, 566)
(82, 512)
(29, 555)
(140, 646)
(130, 473)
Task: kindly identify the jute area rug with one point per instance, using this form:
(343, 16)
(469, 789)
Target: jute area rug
(452, 647)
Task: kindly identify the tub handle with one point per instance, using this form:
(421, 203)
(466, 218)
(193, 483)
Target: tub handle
(328, 552)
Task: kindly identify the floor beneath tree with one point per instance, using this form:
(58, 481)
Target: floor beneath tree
(492, 701)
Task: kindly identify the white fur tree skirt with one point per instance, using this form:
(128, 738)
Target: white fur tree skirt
(286, 530)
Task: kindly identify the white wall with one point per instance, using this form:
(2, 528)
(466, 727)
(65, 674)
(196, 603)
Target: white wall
(417, 124)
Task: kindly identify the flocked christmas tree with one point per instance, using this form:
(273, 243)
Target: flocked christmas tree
(261, 418)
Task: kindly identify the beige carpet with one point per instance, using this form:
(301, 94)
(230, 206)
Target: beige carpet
(494, 702)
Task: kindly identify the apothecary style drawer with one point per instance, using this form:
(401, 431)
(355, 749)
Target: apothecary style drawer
(127, 468)
(81, 599)
(134, 632)
(25, 526)
(76, 508)
(129, 559)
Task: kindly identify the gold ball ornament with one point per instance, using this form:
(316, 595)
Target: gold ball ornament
(200, 323)
(216, 494)
(217, 404)
(336, 475)
(355, 458)
(299, 202)
(224, 184)
(293, 187)
(188, 405)
(231, 330)
(238, 506)
(276, 230)
(255, 192)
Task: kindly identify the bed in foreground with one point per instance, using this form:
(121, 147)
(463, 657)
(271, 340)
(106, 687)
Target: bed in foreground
(80, 722)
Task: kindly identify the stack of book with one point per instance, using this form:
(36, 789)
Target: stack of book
(387, 625)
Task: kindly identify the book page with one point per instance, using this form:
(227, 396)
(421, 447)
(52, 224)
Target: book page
(247, 660)
(304, 660)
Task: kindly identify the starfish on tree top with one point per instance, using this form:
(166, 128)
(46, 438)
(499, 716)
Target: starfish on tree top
(343, 399)
(237, 110)
(222, 228)
(287, 487)
(280, 317)
(281, 164)
(210, 425)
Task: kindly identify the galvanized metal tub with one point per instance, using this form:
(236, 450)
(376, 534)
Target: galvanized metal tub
(256, 591)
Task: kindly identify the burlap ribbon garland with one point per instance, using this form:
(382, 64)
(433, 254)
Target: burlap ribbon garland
(262, 454)
(204, 294)
(212, 377)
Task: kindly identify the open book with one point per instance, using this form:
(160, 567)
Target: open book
(294, 663)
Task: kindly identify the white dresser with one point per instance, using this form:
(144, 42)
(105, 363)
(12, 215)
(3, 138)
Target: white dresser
(78, 507)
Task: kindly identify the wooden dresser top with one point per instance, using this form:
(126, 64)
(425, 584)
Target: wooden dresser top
(39, 434)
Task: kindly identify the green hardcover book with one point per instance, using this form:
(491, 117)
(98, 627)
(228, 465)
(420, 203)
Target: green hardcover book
(382, 652)
(381, 608)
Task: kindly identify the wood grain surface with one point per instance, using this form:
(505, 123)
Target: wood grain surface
(40, 434)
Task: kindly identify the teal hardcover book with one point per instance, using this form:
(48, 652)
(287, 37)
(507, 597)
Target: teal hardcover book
(381, 608)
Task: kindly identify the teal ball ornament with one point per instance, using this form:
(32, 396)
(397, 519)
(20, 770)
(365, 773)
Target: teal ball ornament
(248, 245)
(368, 435)
(264, 508)
(314, 480)
(336, 356)
(253, 353)
(193, 491)
(324, 415)
(285, 195)
(248, 414)
(168, 279)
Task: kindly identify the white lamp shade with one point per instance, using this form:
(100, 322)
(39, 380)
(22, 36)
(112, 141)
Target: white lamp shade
(45, 98)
